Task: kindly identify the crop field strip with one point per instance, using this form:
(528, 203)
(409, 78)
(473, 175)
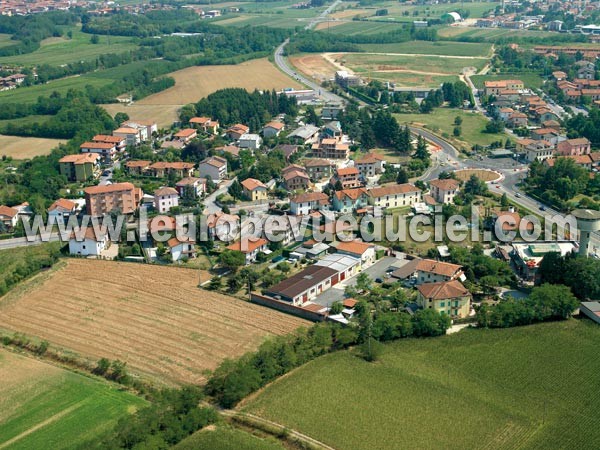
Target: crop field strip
(43, 405)
(154, 318)
(516, 388)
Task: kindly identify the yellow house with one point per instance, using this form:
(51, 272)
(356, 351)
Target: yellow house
(254, 189)
(450, 297)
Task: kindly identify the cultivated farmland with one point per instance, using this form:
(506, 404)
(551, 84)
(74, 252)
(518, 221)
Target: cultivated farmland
(527, 387)
(44, 406)
(154, 318)
(25, 148)
(194, 83)
(224, 437)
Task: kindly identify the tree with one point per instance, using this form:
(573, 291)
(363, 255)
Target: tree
(402, 176)
(95, 39)
(336, 308)
(232, 259)
(457, 131)
(370, 350)
(458, 121)
(428, 322)
(421, 151)
(102, 366)
(504, 200)
(121, 117)
(215, 283)
(363, 282)
(494, 126)
(236, 190)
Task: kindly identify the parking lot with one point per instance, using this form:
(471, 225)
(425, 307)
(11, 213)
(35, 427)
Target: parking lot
(377, 270)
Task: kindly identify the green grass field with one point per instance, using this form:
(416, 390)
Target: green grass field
(396, 10)
(364, 27)
(55, 51)
(431, 48)
(441, 120)
(528, 387)
(225, 437)
(5, 40)
(43, 406)
(531, 80)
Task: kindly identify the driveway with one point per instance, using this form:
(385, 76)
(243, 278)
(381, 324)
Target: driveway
(336, 293)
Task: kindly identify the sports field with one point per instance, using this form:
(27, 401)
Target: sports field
(528, 387)
(44, 406)
(441, 121)
(531, 80)
(26, 147)
(491, 34)
(152, 317)
(194, 83)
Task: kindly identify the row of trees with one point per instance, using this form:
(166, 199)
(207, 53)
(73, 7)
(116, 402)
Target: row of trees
(546, 302)
(582, 275)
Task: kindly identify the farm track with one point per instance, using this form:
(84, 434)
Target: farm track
(153, 318)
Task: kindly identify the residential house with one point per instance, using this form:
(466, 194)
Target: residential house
(185, 135)
(288, 150)
(232, 150)
(359, 249)
(504, 113)
(162, 169)
(539, 151)
(304, 135)
(272, 129)
(546, 134)
(553, 124)
(132, 136)
(147, 128)
(214, 167)
(254, 189)
(222, 226)
(331, 148)
(81, 167)
(205, 124)
(559, 75)
(584, 161)
(585, 70)
(348, 177)
(8, 216)
(181, 249)
(345, 79)
(395, 195)
(444, 191)
(191, 184)
(295, 178)
(523, 143)
(61, 210)
(517, 120)
(318, 169)
(495, 87)
(250, 248)
(370, 165)
(431, 271)
(449, 297)
(331, 111)
(250, 141)
(543, 113)
(350, 200)
(119, 142)
(333, 130)
(106, 151)
(89, 242)
(123, 197)
(573, 147)
(137, 167)
(305, 203)
(237, 131)
(594, 94)
(165, 198)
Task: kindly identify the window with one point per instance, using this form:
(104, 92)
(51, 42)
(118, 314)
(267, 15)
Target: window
(442, 304)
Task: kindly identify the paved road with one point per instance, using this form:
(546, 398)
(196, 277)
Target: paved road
(282, 63)
(210, 207)
(23, 242)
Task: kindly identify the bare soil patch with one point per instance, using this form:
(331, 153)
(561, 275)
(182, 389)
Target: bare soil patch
(482, 174)
(26, 147)
(152, 317)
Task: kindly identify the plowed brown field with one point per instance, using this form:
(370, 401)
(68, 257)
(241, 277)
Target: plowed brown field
(152, 317)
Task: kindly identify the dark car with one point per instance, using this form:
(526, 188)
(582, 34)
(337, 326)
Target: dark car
(542, 208)
(378, 280)
(106, 173)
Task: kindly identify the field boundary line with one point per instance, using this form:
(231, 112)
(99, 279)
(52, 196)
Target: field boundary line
(291, 432)
(48, 421)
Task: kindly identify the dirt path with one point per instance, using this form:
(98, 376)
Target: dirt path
(293, 433)
(48, 421)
